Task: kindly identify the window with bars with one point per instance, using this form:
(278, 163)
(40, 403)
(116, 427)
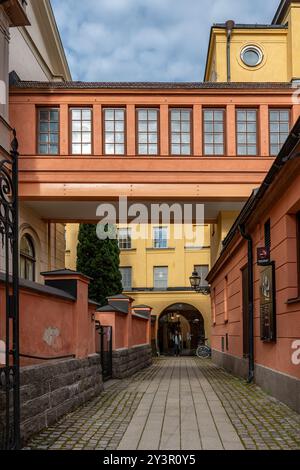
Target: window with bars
(214, 131)
(202, 271)
(124, 236)
(81, 131)
(114, 131)
(48, 131)
(246, 122)
(160, 276)
(160, 237)
(126, 274)
(147, 131)
(181, 131)
(279, 129)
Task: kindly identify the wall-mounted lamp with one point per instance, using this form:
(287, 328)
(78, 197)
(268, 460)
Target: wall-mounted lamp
(195, 281)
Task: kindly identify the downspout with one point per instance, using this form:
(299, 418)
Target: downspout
(229, 27)
(248, 238)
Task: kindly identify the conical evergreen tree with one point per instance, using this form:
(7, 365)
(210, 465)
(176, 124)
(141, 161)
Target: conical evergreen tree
(99, 259)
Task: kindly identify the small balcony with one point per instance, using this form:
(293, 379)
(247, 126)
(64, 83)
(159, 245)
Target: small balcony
(16, 11)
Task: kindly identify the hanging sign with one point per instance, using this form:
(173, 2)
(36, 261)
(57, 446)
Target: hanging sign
(263, 256)
(267, 303)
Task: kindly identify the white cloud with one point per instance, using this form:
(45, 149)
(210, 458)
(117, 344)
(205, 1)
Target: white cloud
(146, 40)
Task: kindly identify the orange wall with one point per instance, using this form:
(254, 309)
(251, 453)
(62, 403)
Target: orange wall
(139, 330)
(49, 324)
(127, 330)
(283, 252)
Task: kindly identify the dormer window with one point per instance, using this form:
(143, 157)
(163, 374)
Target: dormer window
(252, 56)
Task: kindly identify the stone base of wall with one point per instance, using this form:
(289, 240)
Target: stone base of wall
(127, 362)
(49, 391)
(281, 386)
(233, 364)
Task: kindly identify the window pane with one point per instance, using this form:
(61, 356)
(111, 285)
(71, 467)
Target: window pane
(126, 278)
(246, 132)
(76, 149)
(86, 137)
(109, 149)
(86, 149)
(44, 127)
(48, 131)
(160, 278)
(119, 149)
(180, 131)
(279, 129)
(76, 115)
(86, 114)
(214, 131)
(87, 126)
(147, 131)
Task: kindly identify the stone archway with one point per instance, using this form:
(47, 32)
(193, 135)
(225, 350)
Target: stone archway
(182, 317)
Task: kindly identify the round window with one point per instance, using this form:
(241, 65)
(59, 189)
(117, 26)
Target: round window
(252, 56)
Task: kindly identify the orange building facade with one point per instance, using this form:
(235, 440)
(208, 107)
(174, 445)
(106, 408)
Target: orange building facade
(255, 300)
(215, 164)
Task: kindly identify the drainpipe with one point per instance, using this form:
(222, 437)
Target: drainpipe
(248, 238)
(229, 27)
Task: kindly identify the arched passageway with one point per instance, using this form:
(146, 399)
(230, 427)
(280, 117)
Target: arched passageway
(185, 319)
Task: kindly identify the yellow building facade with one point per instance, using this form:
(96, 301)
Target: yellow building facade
(156, 271)
(257, 53)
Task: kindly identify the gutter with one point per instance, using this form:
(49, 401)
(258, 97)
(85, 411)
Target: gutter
(229, 28)
(249, 240)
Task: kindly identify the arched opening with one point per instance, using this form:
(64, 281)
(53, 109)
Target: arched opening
(27, 258)
(185, 319)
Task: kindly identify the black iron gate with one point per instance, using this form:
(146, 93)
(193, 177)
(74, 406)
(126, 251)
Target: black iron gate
(9, 313)
(106, 351)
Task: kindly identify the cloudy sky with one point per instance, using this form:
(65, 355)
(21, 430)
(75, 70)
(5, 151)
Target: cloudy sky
(146, 40)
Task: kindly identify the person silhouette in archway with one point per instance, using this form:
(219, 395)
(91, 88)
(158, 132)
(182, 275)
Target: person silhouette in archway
(177, 343)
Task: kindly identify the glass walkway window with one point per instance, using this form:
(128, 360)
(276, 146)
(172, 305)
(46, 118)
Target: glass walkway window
(214, 140)
(181, 131)
(126, 278)
(147, 131)
(48, 131)
(160, 275)
(279, 129)
(114, 131)
(124, 237)
(160, 237)
(246, 131)
(81, 128)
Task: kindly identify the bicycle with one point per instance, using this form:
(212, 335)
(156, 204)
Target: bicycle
(203, 351)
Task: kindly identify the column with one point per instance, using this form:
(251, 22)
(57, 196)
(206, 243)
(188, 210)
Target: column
(97, 129)
(231, 130)
(131, 130)
(164, 130)
(64, 129)
(197, 130)
(263, 131)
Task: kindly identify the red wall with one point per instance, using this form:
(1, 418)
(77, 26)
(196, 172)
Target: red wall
(49, 326)
(139, 330)
(281, 210)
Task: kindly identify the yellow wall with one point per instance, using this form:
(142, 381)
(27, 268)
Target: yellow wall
(280, 47)
(180, 259)
(218, 232)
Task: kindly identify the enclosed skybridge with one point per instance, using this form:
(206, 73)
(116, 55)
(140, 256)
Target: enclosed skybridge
(83, 144)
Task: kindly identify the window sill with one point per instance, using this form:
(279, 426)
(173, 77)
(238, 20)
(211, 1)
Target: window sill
(127, 249)
(160, 249)
(293, 301)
